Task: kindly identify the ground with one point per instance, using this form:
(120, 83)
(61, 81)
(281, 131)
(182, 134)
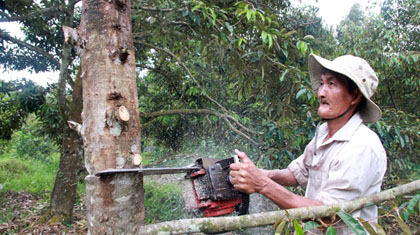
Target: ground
(22, 212)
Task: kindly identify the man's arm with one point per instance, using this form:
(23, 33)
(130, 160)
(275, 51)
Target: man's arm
(246, 177)
(284, 177)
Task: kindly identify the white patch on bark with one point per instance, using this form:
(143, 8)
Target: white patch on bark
(135, 148)
(123, 199)
(120, 162)
(116, 129)
(194, 228)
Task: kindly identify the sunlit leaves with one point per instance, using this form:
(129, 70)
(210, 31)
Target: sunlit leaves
(310, 225)
(298, 228)
(331, 231)
(352, 223)
(280, 227)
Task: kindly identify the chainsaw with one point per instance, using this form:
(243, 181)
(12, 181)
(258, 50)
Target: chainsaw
(213, 192)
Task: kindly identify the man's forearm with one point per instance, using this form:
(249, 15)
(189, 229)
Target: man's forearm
(284, 198)
(284, 177)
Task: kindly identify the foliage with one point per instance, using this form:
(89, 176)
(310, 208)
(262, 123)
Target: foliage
(27, 175)
(29, 161)
(42, 31)
(396, 216)
(18, 98)
(242, 58)
(248, 57)
(29, 144)
(163, 202)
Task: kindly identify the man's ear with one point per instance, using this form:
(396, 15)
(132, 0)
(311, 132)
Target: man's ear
(357, 96)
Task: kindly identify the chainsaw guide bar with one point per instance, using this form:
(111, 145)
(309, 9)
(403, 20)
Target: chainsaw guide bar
(149, 171)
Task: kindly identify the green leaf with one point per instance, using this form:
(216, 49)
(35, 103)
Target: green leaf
(283, 75)
(331, 231)
(406, 230)
(229, 27)
(310, 225)
(308, 38)
(280, 228)
(411, 207)
(353, 224)
(379, 229)
(298, 228)
(367, 226)
(240, 41)
(270, 41)
(300, 93)
(195, 7)
(213, 14)
(264, 36)
(249, 15)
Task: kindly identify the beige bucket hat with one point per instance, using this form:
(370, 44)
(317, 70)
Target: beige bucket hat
(359, 71)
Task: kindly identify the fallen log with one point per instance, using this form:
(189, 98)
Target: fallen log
(225, 224)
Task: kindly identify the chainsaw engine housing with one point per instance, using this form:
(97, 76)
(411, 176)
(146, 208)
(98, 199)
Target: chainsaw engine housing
(214, 194)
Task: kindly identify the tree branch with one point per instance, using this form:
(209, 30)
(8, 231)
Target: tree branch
(7, 37)
(154, 9)
(51, 11)
(199, 112)
(224, 224)
(185, 68)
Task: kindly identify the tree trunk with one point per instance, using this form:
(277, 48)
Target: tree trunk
(65, 186)
(115, 202)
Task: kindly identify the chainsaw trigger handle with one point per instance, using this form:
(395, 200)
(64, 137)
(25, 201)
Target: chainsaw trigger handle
(235, 159)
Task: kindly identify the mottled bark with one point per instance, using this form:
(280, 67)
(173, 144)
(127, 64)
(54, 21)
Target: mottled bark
(115, 203)
(64, 192)
(225, 224)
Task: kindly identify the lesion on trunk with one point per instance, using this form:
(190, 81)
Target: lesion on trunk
(117, 120)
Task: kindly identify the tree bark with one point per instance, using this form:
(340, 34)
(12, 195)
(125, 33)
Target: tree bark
(114, 203)
(65, 187)
(225, 224)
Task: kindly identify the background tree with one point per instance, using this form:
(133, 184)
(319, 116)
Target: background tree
(17, 100)
(240, 59)
(44, 49)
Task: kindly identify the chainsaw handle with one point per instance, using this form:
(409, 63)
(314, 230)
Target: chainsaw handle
(236, 159)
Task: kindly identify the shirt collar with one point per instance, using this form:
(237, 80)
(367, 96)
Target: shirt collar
(345, 132)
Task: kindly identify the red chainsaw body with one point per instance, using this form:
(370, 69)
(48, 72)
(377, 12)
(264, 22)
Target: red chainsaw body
(213, 193)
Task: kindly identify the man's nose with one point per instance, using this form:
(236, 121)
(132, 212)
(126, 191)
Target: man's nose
(321, 92)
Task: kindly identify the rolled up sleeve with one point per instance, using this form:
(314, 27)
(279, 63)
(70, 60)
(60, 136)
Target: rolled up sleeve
(299, 167)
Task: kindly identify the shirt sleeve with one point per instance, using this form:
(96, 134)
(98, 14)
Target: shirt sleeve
(299, 166)
(352, 174)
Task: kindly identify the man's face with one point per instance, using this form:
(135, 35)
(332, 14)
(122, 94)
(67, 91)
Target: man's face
(333, 96)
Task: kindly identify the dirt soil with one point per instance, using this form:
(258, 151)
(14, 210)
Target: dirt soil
(25, 211)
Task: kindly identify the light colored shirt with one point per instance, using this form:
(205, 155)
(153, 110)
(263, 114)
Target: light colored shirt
(349, 165)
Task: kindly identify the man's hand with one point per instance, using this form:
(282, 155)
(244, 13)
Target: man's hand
(245, 176)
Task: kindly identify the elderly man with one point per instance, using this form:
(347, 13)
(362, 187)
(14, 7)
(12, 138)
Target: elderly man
(345, 160)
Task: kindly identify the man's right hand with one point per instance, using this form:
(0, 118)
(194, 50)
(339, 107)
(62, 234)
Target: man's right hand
(245, 176)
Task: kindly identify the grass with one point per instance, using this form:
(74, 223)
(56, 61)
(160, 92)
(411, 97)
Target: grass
(27, 175)
(163, 202)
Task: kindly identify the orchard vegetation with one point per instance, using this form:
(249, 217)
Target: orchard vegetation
(212, 76)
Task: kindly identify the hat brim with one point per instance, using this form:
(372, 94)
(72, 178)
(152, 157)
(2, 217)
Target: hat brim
(370, 112)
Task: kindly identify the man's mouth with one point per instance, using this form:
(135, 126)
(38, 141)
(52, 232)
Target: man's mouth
(324, 102)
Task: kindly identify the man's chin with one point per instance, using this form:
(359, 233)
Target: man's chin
(324, 115)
